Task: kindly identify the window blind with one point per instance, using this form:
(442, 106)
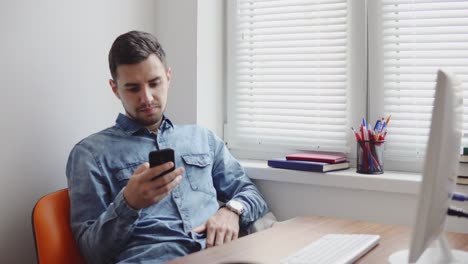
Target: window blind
(291, 76)
(419, 37)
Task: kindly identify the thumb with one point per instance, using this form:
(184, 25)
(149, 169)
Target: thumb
(199, 229)
(141, 168)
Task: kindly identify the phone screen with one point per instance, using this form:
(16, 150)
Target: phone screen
(162, 156)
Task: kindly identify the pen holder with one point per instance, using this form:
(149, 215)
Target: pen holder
(370, 157)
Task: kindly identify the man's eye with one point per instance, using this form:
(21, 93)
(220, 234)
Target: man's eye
(133, 89)
(154, 84)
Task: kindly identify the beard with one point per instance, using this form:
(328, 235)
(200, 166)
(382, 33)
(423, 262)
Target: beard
(149, 120)
(146, 119)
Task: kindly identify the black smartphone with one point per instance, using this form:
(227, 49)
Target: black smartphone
(159, 157)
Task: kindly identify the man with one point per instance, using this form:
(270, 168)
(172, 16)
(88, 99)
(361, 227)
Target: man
(119, 211)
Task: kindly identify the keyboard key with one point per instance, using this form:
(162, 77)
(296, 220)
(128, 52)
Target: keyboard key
(334, 249)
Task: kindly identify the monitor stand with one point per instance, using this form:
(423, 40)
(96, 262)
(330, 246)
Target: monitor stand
(439, 255)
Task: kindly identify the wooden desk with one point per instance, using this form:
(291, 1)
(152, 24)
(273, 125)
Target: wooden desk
(285, 238)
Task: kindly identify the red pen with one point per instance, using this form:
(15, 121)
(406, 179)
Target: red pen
(356, 134)
(383, 136)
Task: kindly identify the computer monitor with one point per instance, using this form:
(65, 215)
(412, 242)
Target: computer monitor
(439, 178)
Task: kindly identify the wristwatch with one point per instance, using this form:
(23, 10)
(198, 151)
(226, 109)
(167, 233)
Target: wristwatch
(235, 206)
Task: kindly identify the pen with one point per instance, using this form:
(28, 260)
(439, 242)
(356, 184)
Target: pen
(382, 137)
(365, 135)
(384, 125)
(388, 119)
(377, 125)
(382, 121)
(369, 138)
(356, 134)
(369, 146)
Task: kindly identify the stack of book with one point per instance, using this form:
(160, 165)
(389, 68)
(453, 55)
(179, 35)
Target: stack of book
(463, 168)
(318, 162)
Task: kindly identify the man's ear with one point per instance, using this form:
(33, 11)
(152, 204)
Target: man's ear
(114, 87)
(168, 74)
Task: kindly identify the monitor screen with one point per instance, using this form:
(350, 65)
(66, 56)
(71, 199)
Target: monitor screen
(441, 163)
(439, 174)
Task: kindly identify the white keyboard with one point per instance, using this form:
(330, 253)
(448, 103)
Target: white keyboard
(334, 249)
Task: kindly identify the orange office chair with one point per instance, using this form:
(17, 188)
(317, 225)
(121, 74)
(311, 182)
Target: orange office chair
(52, 232)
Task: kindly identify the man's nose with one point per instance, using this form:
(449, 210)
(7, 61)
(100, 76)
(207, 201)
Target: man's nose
(146, 96)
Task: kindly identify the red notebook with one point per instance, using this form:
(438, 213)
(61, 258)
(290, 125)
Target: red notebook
(328, 158)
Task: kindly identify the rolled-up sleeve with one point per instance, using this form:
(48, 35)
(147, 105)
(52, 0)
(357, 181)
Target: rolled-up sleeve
(231, 182)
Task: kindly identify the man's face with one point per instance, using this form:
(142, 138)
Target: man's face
(142, 88)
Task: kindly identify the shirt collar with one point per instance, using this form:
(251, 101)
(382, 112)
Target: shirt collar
(131, 127)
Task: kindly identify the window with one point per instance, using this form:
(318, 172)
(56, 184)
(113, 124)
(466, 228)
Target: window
(291, 76)
(410, 41)
(300, 73)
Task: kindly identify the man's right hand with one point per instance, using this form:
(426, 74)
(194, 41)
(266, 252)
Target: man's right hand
(143, 190)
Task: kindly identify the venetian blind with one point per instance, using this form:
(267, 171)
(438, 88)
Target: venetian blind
(419, 37)
(291, 76)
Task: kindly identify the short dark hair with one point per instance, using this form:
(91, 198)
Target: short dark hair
(134, 47)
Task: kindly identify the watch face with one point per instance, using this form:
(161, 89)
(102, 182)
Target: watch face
(235, 206)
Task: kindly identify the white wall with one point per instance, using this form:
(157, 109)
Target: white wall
(54, 77)
(210, 66)
(193, 37)
(176, 29)
(54, 91)
(288, 200)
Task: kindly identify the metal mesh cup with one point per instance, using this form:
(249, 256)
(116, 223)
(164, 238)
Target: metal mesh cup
(370, 157)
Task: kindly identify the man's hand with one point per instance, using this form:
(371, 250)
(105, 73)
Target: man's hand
(220, 228)
(143, 191)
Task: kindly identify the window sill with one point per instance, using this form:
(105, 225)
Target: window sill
(390, 181)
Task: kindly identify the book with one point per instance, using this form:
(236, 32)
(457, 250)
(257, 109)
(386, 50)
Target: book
(307, 165)
(320, 157)
(463, 158)
(463, 169)
(462, 180)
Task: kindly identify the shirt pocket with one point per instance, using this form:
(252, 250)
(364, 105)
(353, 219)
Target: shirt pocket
(123, 175)
(198, 172)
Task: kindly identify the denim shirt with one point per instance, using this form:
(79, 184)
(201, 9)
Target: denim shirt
(108, 230)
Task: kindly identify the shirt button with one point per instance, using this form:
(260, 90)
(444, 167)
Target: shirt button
(195, 187)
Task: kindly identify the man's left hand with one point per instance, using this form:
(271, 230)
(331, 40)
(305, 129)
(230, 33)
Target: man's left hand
(221, 228)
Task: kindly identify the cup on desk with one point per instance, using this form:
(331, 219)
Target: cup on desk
(370, 156)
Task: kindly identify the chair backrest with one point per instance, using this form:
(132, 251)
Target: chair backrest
(52, 232)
